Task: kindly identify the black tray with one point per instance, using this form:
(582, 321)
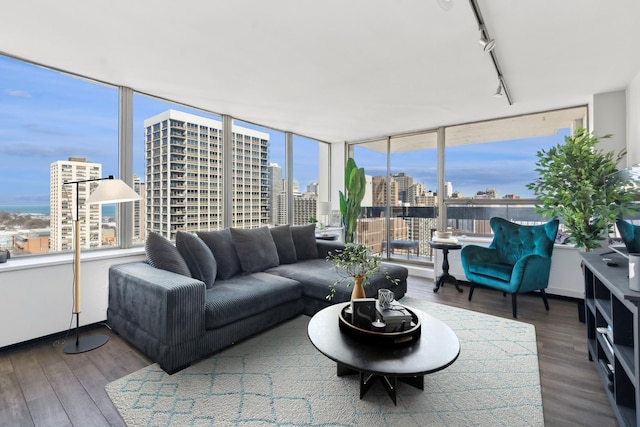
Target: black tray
(402, 338)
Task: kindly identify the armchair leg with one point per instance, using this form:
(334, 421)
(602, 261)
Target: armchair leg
(544, 299)
(514, 305)
(472, 287)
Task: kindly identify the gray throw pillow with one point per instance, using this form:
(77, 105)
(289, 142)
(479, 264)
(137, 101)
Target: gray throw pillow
(284, 244)
(255, 248)
(304, 238)
(162, 254)
(224, 251)
(198, 257)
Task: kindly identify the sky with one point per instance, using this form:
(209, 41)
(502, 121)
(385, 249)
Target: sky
(47, 116)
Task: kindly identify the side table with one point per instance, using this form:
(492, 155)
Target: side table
(446, 247)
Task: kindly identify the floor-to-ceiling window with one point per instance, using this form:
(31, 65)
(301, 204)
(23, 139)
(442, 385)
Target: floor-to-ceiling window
(54, 128)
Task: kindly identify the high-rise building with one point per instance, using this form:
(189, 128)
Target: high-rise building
(184, 174)
(139, 223)
(63, 204)
(403, 181)
(379, 191)
(276, 188)
(448, 190)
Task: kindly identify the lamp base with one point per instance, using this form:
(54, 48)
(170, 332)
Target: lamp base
(86, 344)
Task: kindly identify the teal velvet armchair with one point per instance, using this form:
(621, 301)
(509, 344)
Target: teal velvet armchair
(630, 234)
(517, 261)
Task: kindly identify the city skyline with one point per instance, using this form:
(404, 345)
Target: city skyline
(47, 116)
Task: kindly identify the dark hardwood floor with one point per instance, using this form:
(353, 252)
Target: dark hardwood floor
(42, 386)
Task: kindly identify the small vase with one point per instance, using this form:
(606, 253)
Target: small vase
(358, 288)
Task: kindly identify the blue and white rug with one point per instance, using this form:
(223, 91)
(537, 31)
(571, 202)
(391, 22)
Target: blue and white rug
(278, 378)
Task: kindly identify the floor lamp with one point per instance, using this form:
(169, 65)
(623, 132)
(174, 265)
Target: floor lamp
(109, 190)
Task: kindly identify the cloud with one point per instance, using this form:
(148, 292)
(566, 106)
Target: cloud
(17, 93)
(49, 152)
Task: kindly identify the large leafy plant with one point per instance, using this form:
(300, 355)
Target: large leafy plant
(354, 185)
(571, 186)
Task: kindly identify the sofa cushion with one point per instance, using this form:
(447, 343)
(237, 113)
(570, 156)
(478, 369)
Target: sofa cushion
(224, 251)
(284, 244)
(198, 257)
(304, 239)
(493, 269)
(256, 249)
(244, 296)
(162, 254)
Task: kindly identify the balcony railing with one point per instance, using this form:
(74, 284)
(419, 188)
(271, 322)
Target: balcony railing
(411, 228)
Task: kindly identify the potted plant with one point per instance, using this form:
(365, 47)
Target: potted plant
(571, 186)
(355, 264)
(355, 186)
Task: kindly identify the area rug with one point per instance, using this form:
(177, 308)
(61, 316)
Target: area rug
(278, 378)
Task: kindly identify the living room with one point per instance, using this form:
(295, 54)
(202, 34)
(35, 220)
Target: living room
(324, 91)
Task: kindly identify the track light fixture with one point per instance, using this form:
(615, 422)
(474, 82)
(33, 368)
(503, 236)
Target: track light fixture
(487, 44)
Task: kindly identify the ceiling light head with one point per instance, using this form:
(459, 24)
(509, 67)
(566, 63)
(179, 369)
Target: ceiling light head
(498, 93)
(487, 44)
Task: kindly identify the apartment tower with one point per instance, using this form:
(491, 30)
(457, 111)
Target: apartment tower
(184, 173)
(63, 204)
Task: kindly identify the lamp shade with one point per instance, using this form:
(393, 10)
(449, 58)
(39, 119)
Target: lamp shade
(324, 208)
(112, 191)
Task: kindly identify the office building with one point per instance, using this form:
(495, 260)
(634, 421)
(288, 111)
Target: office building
(184, 174)
(63, 204)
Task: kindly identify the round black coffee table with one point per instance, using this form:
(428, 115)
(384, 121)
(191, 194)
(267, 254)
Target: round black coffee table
(437, 348)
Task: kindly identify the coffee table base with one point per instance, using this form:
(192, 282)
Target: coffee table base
(390, 383)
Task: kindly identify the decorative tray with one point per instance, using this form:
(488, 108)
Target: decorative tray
(401, 338)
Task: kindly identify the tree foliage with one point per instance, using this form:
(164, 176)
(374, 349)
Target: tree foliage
(571, 186)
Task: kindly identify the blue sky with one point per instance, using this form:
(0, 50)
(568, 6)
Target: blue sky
(47, 116)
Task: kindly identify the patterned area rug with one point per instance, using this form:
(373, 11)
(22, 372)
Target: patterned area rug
(278, 378)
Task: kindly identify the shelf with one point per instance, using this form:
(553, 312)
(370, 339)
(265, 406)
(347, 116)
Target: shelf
(610, 304)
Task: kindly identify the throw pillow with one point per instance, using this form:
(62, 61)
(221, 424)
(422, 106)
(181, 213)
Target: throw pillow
(224, 251)
(284, 244)
(198, 257)
(162, 254)
(304, 239)
(255, 248)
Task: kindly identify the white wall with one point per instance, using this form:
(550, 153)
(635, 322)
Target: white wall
(609, 116)
(37, 292)
(633, 121)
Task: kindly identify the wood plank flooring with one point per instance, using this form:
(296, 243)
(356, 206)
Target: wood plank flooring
(42, 386)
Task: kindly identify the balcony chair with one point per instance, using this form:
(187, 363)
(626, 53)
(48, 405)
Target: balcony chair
(517, 261)
(630, 234)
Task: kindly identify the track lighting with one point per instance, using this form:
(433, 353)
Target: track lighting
(498, 93)
(487, 45)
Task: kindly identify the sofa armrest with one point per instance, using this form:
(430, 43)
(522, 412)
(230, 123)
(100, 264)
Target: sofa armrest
(326, 246)
(165, 305)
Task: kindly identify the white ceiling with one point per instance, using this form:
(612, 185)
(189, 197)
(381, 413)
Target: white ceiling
(337, 70)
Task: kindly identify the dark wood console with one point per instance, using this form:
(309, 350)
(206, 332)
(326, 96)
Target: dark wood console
(611, 315)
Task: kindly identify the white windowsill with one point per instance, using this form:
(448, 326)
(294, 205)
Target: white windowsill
(30, 262)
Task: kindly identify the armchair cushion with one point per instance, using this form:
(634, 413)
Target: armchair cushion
(497, 270)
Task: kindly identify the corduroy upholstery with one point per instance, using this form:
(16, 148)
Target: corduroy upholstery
(175, 319)
(517, 261)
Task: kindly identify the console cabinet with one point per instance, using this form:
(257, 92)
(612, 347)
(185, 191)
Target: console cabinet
(611, 314)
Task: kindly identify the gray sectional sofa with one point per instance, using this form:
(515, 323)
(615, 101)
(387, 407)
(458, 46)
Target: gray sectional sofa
(211, 290)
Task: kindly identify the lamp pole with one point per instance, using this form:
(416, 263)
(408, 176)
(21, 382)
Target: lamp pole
(93, 341)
